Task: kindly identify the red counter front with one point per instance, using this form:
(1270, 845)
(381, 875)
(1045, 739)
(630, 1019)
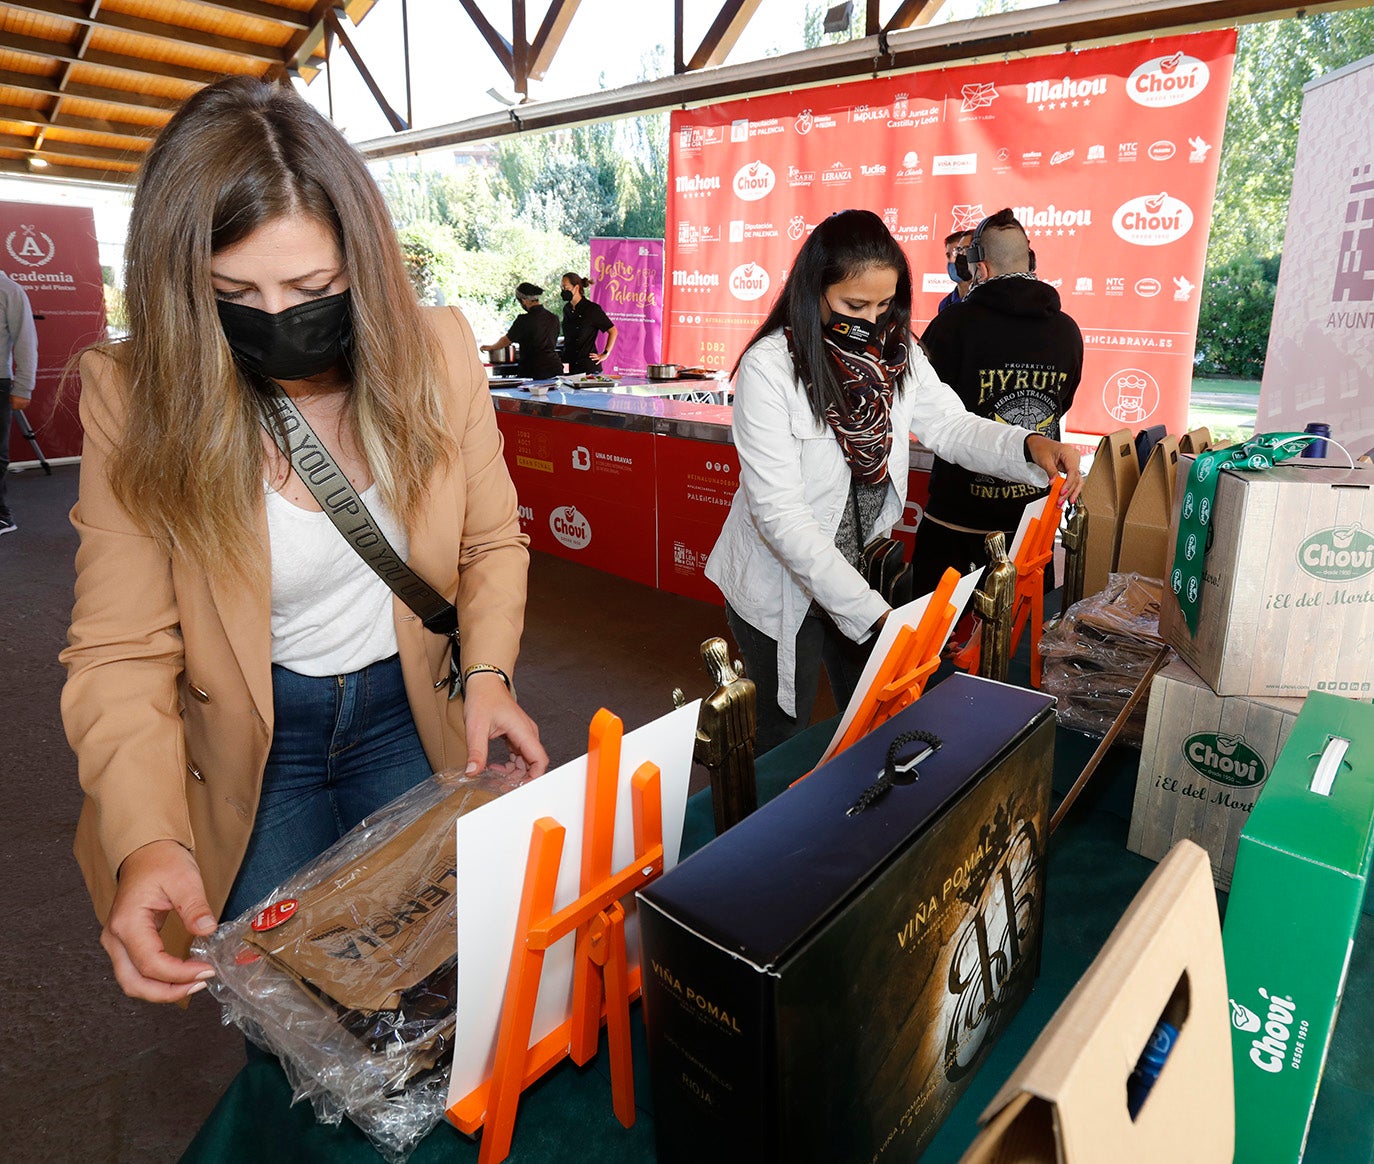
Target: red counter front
(633, 486)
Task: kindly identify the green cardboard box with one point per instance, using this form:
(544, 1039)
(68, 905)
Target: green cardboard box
(1301, 871)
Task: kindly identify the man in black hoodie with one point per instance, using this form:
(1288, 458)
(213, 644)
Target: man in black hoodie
(1012, 355)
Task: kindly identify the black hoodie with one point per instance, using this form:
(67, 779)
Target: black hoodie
(1012, 355)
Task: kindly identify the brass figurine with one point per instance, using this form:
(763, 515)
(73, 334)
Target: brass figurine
(995, 603)
(1074, 535)
(727, 727)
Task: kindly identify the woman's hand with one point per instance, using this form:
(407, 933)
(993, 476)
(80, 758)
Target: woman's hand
(1056, 457)
(153, 881)
(490, 712)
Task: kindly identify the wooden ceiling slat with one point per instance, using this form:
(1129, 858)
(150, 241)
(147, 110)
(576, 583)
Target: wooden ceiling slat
(266, 51)
(94, 132)
(111, 172)
(140, 104)
(207, 18)
(133, 67)
(69, 151)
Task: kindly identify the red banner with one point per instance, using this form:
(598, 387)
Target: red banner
(51, 252)
(1109, 158)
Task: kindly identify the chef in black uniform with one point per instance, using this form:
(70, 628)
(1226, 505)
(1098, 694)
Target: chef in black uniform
(536, 331)
(583, 322)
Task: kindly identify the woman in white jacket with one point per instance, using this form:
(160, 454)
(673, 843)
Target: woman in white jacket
(827, 396)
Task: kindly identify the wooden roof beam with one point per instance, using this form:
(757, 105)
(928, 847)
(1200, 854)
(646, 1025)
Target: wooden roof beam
(498, 44)
(721, 37)
(550, 36)
(44, 87)
(153, 29)
(398, 123)
(54, 148)
(134, 67)
(137, 135)
(73, 173)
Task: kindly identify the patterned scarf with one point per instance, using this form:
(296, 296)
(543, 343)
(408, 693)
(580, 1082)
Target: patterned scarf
(864, 425)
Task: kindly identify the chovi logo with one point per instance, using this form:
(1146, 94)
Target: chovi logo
(754, 181)
(1164, 81)
(749, 281)
(1338, 554)
(30, 246)
(571, 527)
(1152, 220)
(1225, 759)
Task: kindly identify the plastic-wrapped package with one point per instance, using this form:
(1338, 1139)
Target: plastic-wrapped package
(347, 972)
(1097, 653)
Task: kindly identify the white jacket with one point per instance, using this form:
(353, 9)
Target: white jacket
(777, 551)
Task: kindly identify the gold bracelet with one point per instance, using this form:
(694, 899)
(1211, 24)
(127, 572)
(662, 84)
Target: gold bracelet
(480, 668)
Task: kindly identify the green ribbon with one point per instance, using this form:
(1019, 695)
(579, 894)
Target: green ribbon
(1263, 451)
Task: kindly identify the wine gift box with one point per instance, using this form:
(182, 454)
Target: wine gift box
(821, 984)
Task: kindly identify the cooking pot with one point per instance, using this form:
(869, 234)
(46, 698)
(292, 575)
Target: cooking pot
(663, 371)
(510, 354)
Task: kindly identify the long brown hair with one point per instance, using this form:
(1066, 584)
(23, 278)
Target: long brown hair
(189, 464)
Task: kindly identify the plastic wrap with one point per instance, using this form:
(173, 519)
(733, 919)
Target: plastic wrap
(1094, 657)
(347, 972)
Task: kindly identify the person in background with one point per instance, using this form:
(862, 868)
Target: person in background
(18, 371)
(828, 393)
(956, 244)
(1013, 356)
(241, 687)
(583, 323)
(536, 331)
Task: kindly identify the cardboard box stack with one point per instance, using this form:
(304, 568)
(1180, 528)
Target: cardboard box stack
(821, 984)
(1301, 873)
(1287, 607)
(1203, 763)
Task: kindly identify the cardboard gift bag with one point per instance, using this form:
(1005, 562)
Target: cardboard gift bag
(1066, 1103)
(1107, 492)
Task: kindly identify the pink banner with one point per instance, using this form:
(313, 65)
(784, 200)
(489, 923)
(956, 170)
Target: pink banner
(627, 283)
(1108, 157)
(51, 252)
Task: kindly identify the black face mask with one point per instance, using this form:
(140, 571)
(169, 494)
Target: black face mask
(301, 341)
(852, 333)
(567, 295)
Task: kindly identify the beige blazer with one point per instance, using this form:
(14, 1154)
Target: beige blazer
(168, 699)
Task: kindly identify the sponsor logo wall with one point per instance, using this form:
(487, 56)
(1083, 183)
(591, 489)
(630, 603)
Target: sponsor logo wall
(627, 284)
(51, 252)
(1108, 156)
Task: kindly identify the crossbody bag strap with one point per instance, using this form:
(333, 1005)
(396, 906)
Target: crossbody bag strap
(328, 484)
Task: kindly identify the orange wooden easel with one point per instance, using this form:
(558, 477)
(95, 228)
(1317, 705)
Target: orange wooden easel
(1035, 553)
(910, 662)
(603, 984)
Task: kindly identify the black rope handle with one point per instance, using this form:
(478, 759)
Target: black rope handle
(892, 774)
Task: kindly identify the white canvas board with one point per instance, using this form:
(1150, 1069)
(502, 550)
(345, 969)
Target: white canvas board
(493, 848)
(908, 615)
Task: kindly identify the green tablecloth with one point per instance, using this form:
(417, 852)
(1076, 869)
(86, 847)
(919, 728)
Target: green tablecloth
(567, 1116)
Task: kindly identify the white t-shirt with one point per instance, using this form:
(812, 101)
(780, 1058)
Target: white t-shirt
(331, 613)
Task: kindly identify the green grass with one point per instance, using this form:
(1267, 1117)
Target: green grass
(1226, 407)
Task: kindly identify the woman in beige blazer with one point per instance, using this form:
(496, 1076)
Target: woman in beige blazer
(241, 687)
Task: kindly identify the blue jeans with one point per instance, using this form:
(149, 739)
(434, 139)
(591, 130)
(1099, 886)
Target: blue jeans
(343, 746)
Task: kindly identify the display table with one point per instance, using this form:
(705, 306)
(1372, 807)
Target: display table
(567, 1117)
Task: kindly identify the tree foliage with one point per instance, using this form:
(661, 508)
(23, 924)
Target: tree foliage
(1233, 322)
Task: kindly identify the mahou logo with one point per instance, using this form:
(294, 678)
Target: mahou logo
(754, 181)
(1338, 554)
(1165, 81)
(571, 527)
(1225, 759)
(1153, 220)
(749, 281)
